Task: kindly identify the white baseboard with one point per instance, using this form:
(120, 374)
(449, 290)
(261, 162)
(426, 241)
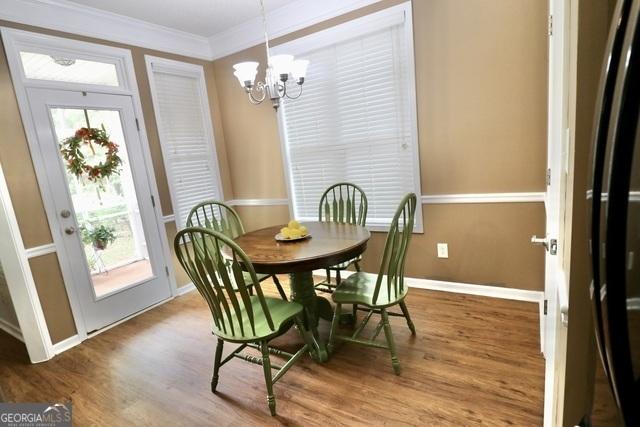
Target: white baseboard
(185, 289)
(66, 344)
(472, 289)
(480, 290)
(11, 329)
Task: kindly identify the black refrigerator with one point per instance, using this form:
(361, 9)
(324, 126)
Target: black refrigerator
(614, 200)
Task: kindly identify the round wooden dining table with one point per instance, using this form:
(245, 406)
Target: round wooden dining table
(328, 244)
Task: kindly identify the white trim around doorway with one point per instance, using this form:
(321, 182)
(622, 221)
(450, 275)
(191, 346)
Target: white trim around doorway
(13, 41)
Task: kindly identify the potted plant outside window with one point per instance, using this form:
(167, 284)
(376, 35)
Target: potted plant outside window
(100, 237)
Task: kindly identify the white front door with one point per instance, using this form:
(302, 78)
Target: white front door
(105, 231)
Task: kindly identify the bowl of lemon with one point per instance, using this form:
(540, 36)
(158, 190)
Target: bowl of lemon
(292, 232)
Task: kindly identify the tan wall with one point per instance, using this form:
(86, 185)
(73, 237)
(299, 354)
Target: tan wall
(22, 183)
(593, 22)
(481, 81)
(53, 297)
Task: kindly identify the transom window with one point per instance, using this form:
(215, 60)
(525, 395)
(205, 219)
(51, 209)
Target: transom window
(62, 68)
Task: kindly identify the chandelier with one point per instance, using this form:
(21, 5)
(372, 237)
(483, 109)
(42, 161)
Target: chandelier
(281, 69)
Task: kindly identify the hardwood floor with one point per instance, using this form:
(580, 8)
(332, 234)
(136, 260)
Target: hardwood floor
(474, 361)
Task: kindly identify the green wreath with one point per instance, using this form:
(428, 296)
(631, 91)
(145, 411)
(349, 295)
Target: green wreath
(76, 163)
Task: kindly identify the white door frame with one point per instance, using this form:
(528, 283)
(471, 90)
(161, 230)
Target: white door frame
(22, 288)
(15, 40)
(562, 44)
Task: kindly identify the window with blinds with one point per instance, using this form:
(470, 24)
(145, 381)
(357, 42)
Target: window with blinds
(355, 120)
(186, 135)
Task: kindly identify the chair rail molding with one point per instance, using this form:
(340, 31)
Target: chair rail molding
(432, 199)
(41, 250)
(11, 329)
(257, 202)
(521, 197)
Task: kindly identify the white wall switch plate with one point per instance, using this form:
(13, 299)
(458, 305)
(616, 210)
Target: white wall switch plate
(443, 250)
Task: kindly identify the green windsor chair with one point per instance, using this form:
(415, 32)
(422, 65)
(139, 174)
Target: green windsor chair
(343, 203)
(238, 317)
(220, 217)
(379, 292)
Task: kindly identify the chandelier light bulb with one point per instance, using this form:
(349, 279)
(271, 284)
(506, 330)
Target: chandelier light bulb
(281, 65)
(299, 70)
(246, 73)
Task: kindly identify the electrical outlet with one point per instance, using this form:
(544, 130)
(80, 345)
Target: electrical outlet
(443, 250)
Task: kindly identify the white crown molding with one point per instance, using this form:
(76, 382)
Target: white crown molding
(292, 17)
(63, 15)
(91, 22)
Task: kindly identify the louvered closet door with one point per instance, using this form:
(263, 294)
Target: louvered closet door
(184, 123)
(352, 123)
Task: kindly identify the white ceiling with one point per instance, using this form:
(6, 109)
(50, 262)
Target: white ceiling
(202, 17)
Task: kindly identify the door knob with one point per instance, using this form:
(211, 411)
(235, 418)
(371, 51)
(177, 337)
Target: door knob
(550, 245)
(69, 230)
(65, 213)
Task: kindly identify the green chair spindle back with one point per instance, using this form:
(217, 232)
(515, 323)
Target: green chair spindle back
(345, 203)
(395, 249)
(216, 216)
(231, 308)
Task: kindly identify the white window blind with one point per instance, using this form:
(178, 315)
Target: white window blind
(355, 119)
(186, 136)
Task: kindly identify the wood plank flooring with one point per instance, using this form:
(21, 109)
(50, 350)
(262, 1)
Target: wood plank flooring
(474, 361)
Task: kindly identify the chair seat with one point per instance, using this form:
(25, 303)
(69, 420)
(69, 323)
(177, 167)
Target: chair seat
(282, 314)
(359, 288)
(346, 264)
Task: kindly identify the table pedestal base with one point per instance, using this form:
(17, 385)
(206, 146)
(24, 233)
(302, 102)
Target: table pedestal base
(315, 307)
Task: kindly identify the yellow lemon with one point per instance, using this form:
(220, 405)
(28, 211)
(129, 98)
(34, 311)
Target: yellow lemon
(294, 224)
(286, 232)
(295, 233)
(303, 230)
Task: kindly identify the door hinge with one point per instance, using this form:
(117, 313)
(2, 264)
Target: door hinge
(547, 178)
(550, 25)
(166, 269)
(545, 307)
(153, 201)
(137, 124)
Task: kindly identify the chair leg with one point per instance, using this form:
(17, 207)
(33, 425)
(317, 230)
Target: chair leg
(328, 272)
(266, 365)
(355, 313)
(357, 266)
(405, 312)
(216, 365)
(338, 277)
(390, 342)
(279, 286)
(334, 327)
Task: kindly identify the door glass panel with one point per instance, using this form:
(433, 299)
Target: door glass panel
(110, 226)
(68, 69)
